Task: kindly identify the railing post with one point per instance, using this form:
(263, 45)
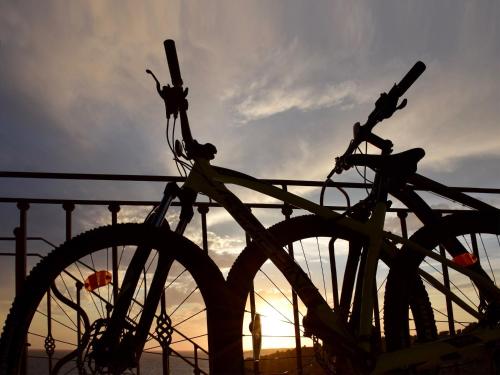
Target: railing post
(78, 286)
(475, 249)
(196, 370)
(68, 208)
(402, 218)
(164, 332)
(21, 266)
(21, 244)
(287, 212)
(50, 343)
(203, 210)
(446, 282)
(114, 208)
(333, 271)
(256, 369)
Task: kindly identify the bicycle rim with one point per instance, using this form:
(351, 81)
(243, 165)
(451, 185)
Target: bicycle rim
(310, 237)
(479, 235)
(74, 270)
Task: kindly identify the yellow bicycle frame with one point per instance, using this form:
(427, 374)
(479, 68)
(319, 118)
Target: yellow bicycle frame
(211, 180)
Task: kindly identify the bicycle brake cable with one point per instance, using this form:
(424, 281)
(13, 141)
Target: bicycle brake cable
(323, 189)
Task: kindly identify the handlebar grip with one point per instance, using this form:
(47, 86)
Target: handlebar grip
(410, 77)
(173, 62)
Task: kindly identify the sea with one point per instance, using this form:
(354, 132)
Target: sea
(151, 364)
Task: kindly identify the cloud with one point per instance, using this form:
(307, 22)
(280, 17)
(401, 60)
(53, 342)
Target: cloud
(74, 96)
(275, 90)
(269, 102)
(453, 115)
(74, 64)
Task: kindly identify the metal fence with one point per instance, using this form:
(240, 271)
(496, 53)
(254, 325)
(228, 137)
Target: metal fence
(21, 239)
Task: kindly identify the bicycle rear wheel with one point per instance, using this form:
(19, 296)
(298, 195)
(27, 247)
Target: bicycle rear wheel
(63, 323)
(325, 253)
(479, 235)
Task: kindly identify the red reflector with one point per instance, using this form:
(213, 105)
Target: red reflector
(465, 259)
(98, 279)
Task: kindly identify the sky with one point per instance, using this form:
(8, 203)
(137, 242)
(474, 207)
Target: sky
(275, 85)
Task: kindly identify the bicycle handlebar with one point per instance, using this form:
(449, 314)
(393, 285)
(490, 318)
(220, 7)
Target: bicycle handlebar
(385, 106)
(176, 103)
(410, 78)
(173, 63)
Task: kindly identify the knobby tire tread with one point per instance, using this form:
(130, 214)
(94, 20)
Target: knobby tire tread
(403, 288)
(205, 273)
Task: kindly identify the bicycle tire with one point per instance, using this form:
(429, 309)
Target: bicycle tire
(252, 258)
(400, 287)
(224, 355)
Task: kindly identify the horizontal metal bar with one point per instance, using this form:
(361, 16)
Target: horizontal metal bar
(89, 176)
(100, 202)
(29, 239)
(6, 254)
(152, 178)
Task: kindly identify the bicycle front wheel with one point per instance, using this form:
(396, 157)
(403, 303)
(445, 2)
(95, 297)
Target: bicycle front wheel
(68, 298)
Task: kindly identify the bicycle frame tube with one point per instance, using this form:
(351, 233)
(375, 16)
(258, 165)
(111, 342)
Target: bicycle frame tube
(376, 226)
(421, 182)
(132, 275)
(227, 176)
(210, 180)
(373, 230)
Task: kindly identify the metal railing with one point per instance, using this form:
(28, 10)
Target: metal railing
(23, 204)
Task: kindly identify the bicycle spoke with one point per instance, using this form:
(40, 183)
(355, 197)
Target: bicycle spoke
(277, 287)
(57, 321)
(91, 295)
(274, 308)
(183, 301)
(322, 271)
(305, 259)
(488, 257)
(453, 284)
(189, 317)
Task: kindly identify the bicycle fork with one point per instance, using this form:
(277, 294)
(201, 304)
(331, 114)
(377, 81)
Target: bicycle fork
(111, 352)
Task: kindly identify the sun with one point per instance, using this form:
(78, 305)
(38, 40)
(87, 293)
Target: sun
(277, 325)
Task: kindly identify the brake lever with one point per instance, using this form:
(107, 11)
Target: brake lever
(158, 85)
(402, 104)
(340, 166)
(174, 97)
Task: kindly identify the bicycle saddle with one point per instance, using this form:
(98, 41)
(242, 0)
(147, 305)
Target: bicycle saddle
(401, 164)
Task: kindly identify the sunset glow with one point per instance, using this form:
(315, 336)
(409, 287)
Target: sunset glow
(276, 87)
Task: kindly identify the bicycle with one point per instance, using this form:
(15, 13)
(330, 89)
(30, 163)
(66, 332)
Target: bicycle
(350, 342)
